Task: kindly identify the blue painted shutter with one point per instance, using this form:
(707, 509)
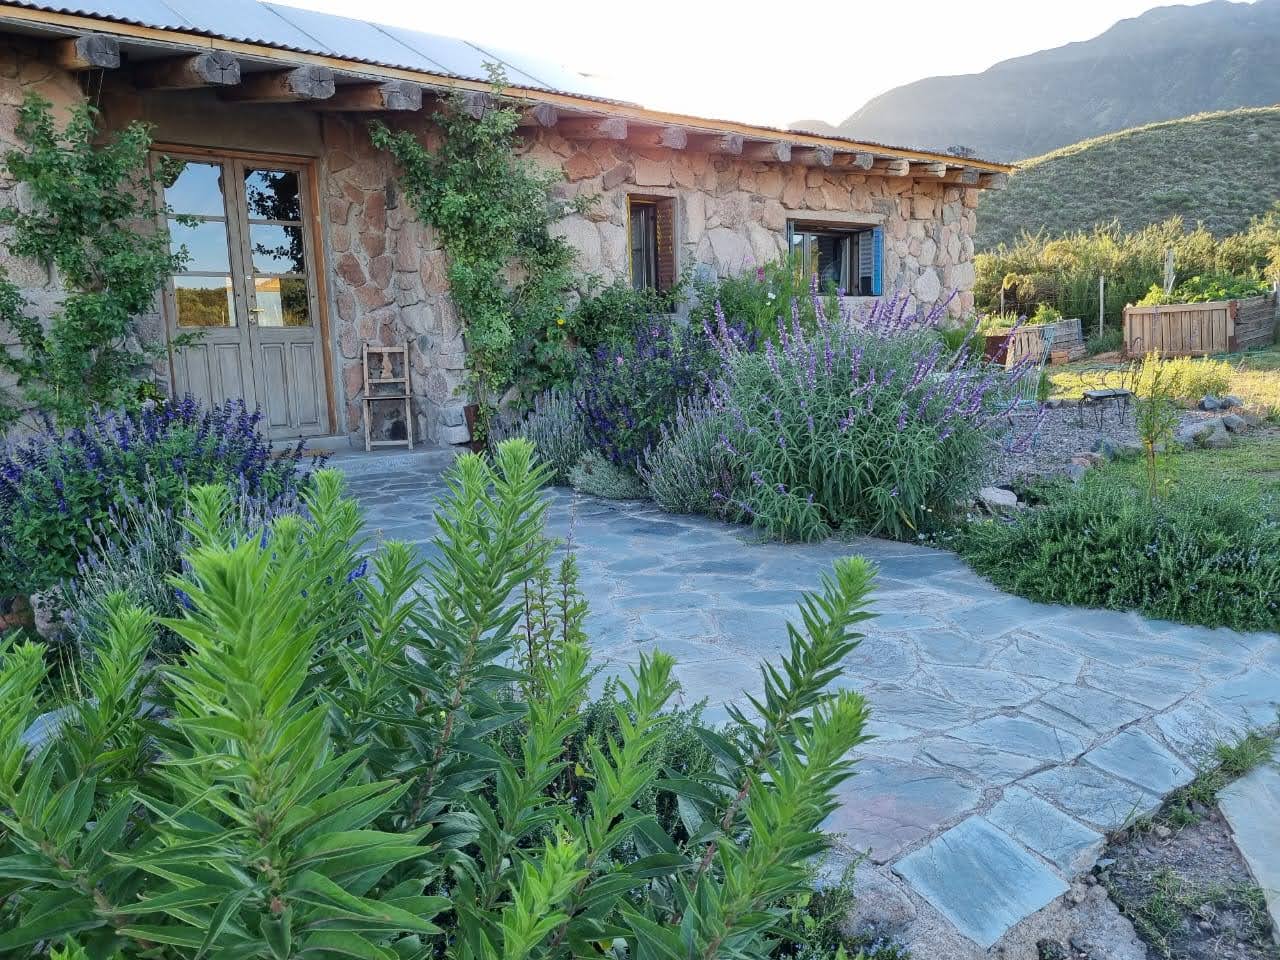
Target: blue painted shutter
(877, 261)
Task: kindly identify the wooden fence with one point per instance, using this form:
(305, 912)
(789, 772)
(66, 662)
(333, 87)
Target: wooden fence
(1067, 338)
(1196, 329)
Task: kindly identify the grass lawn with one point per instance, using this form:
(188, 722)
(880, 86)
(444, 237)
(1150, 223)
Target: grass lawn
(1249, 466)
(1256, 378)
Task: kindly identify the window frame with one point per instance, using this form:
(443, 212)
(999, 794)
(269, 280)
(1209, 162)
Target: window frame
(854, 236)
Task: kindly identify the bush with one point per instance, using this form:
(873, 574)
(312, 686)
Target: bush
(554, 427)
(689, 462)
(1200, 555)
(308, 795)
(60, 489)
(758, 300)
(1183, 378)
(869, 425)
(138, 555)
(1111, 340)
(1204, 289)
(1045, 314)
(598, 477)
(628, 391)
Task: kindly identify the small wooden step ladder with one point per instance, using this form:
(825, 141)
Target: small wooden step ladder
(390, 387)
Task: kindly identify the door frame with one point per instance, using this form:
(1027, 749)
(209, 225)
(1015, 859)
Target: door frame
(315, 247)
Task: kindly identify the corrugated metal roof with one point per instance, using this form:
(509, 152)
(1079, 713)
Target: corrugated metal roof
(306, 31)
(379, 45)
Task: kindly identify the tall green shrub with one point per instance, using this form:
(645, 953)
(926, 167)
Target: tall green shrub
(92, 207)
(309, 795)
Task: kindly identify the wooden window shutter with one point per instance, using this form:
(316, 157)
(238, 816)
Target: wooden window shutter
(666, 231)
(877, 262)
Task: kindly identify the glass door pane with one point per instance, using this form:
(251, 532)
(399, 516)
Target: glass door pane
(277, 248)
(198, 230)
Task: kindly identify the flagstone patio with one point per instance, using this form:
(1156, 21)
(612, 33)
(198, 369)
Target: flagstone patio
(1009, 735)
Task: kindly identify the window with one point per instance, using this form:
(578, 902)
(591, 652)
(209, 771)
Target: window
(850, 258)
(652, 251)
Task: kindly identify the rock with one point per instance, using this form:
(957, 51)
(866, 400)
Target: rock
(998, 499)
(880, 908)
(1053, 403)
(1105, 448)
(1205, 433)
(1235, 423)
(1161, 831)
(1210, 402)
(1075, 472)
(1231, 400)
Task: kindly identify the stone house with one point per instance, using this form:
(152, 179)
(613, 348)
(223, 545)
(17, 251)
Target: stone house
(305, 249)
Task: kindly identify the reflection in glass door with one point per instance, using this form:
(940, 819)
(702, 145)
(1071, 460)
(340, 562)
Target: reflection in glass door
(248, 290)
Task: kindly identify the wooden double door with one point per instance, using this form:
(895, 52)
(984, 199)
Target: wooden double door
(247, 291)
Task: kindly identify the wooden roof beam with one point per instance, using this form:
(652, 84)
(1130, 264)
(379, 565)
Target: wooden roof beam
(92, 51)
(726, 144)
(769, 151)
(813, 156)
(285, 86)
(391, 96)
(892, 167)
(668, 138)
(592, 128)
(854, 161)
(928, 169)
(964, 176)
(539, 115)
(213, 68)
(993, 181)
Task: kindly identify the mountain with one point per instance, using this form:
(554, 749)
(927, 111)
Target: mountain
(1217, 168)
(1169, 62)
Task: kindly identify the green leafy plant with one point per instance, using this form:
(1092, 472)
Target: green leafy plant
(88, 196)
(1199, 554)
(286, 790)
(595, 475)
(1206, 288)
(1044, 314)
(494, 213)
(554, 427)
(1182, 378)
(758, 300)
(1156, 418)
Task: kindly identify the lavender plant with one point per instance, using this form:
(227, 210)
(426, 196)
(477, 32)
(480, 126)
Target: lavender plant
(60, 489)
(628, 392)
(689, 462)
(555, 429)
(867, 422)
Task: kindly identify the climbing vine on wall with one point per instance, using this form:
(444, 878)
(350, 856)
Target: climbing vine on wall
(508, 275)
(85, 201)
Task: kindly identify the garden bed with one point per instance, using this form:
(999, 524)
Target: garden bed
(1200, 329)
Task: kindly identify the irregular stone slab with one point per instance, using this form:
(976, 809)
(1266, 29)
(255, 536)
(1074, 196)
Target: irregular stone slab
(1022, 736)
(757, 631)
(1255, 696)
(880, 658)
(988, 621)
(1194, 728)
(1084, 711)
(719, 681)
(1136, 757)
(951, 647)
(673, 625)
(976, 761)
(1252, 807)
(1156, 685)
(981, 687)
(1090, 795)
(892, 621)
(1065, 842)
(1029, 656)
(980, 879)
(886, 806)
(917, 708)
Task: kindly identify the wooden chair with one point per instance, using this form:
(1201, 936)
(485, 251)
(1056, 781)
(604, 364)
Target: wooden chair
(388, 387)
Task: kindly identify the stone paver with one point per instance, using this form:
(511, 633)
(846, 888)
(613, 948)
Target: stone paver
(980, 879)
(1252, 807)
(1015, 730)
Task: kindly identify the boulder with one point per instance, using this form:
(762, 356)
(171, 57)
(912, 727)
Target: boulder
(1230, 401)
(1210, 402)
(1235, 423)
(998, 499)
(1075, 472)
(1203, 433)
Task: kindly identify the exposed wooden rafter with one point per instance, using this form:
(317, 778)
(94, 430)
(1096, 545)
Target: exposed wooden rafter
(770, 151)
(669, 138)
(93, 51)
(892, 167)
(214, 68)
(592, 128)
(728, 144)
(854, 161)
(813, 156)
(394, 95)
(965, 176)
(539, 115)
(928, 169)
(993, 181)
(285, 86)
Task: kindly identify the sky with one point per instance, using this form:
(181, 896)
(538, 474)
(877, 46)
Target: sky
(757, 62)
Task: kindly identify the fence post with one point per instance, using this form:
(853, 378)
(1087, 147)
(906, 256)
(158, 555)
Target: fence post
(1102, 300)
(1002, 299)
